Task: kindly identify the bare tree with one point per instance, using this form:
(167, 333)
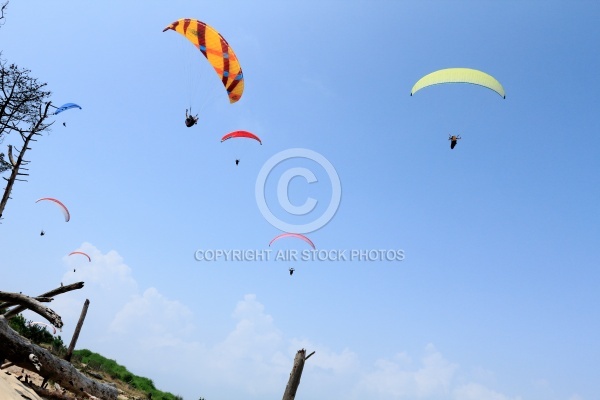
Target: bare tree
(24, 106)
(24, 112)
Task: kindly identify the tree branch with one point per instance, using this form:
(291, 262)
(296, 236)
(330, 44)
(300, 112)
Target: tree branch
(54, 292)
(33, 305)
(2, 11)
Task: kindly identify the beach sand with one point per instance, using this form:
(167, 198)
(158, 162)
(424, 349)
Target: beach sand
(13, 389)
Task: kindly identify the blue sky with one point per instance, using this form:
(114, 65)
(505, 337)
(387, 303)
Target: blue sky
(497, 295)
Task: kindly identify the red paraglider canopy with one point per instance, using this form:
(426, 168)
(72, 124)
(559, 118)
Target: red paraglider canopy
(241, 134)
(82, 253)
(63, 208)
(296, 235)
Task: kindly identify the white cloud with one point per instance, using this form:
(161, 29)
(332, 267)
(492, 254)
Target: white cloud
(108, 271)
(251, 355)
(396, 378)
(108, 284)
(118, 312)
(255, 334)
(436, 373)
(325, 359)
(483, 376)
(155, 315)
(474, 391)
(155, 336)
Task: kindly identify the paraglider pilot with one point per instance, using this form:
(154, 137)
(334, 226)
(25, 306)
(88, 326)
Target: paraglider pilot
(292, 271)
(42, 233)
(190, 120)
(237, 161)
(453, 140)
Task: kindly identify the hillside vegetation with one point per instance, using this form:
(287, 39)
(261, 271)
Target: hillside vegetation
(98, 367)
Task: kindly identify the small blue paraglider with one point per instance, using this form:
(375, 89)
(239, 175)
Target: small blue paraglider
(65, 107)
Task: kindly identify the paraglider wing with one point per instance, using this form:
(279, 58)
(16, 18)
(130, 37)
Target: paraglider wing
(241, 134)
(296, 235)
(62, 207)
(459, 75)
(65, 107)
(82, 253)
(216, 50)
(44, 324)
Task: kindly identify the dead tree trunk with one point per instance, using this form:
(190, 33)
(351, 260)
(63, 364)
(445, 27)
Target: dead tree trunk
(77, 329)
(294, 381)
(27, 355)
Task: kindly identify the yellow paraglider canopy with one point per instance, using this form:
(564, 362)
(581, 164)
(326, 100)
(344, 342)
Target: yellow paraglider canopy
(216, 50)
(459, 75)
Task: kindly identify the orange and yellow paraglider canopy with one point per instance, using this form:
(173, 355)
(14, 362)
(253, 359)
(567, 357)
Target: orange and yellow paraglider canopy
(216, 50)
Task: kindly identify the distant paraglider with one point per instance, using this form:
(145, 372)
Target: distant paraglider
(190, 120)
(459, 75)
(82, 253)
(296, 235)
(453, 140)
(293, 235)
(240, 135)
(61, 206)
(65, 107)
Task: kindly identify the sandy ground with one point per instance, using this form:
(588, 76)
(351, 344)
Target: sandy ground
(13, 389)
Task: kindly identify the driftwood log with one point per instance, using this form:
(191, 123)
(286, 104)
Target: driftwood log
(19, 351)
(35, 305)
(59, 290)
(295, 375)
(46, 394)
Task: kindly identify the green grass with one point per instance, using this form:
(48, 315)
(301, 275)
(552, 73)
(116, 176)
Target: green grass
(118, 372)
(39, 335)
